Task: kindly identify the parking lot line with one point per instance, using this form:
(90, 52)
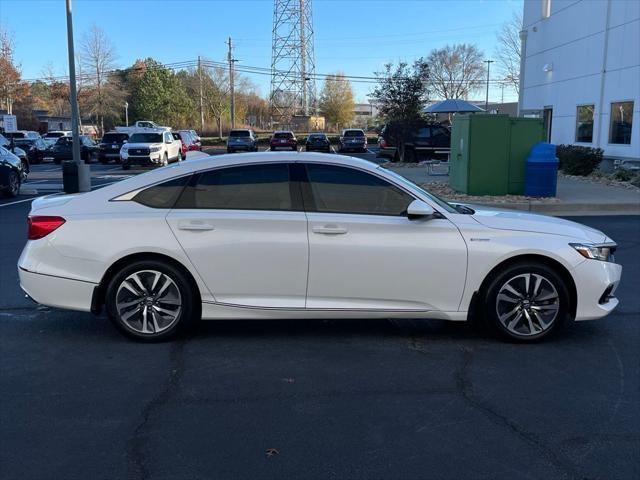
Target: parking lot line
(17, 201)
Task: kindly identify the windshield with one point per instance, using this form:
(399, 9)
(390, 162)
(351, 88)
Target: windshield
(239, 133)
(146, 138)
(405, 181)
(114, 137)
(354, 133)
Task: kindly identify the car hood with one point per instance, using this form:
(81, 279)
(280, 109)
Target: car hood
(143, 145)
(503, 219)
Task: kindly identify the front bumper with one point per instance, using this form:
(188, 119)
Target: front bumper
(57, 291)
(152, 159)
(593, 278)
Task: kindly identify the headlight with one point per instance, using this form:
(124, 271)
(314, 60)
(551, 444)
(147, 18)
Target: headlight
(154, 149)
(602, 252)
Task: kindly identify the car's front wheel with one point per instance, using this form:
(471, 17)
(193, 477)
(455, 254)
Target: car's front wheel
(151, 301)
(13, 185)
(527, 301)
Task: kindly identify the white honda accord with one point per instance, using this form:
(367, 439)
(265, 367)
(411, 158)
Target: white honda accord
(303, 235)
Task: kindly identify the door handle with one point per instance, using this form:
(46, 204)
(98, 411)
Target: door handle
(199, 225)
(330, 230)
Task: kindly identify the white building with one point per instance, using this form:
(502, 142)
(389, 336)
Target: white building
(581, 72)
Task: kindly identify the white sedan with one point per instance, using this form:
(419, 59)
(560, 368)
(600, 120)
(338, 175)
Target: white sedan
(303, 235)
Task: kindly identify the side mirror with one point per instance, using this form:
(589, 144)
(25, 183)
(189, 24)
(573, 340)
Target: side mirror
(419, 209)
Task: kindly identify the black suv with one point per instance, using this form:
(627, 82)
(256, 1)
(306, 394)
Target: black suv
(110, 145)
(416, 140)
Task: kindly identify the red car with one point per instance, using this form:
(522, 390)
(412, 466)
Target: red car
(283, 140)
(190, 140)
(184, 148)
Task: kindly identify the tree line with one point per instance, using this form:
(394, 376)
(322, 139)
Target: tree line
(171, 95)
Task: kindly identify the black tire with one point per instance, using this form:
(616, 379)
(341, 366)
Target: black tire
(126, 166)
(188, 314)
(104, 161)
(165, 159)
(13, 182)
(57, 161)
(528, 315)
(229, 150)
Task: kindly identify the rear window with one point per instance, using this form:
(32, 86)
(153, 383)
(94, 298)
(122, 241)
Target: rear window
(163, 195)
(317, 136)
(14, 134)
(54, 135)
(146, 138)
(115, 137)
(248, 187)
(353, 133)
(283, 135)
(239, 133)
(25, 141)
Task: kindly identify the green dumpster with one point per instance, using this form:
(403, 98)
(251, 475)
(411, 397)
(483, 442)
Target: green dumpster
(488, 153)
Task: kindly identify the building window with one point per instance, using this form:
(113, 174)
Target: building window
(546, 8)
(584, 124)
(621, 123)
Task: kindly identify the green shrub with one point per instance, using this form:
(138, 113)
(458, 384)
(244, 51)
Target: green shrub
(622, 175)
(575, 160)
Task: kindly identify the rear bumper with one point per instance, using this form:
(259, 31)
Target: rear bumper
(57, 291)
(593, 279)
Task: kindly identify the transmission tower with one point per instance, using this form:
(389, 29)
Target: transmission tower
(293, 85)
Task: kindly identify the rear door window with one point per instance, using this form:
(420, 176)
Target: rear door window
(246, 187)
(163, 195)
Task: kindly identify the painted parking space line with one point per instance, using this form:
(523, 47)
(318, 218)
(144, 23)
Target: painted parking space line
(16, 202)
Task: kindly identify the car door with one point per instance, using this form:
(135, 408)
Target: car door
(365, 254)
(245, 231)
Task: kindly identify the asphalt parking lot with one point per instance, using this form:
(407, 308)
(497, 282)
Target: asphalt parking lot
(363, 399)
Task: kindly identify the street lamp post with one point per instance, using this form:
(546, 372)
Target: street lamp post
(486, 101)
(75, 175)
(126, 113)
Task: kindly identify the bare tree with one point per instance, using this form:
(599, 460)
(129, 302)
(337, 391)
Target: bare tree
(508, 51)
(104, 95)
(455, 70)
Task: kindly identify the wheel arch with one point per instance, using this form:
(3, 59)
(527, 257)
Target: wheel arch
(99, 293)
(555, 265)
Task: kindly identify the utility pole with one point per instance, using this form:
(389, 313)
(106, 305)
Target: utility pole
(232, 94)
(126, 113)
(201, 96)
(303, 61)
(80, 170)
(486, 101)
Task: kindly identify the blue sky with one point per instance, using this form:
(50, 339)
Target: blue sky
(356, 37)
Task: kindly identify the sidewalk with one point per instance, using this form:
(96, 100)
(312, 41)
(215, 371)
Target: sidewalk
(574, 197)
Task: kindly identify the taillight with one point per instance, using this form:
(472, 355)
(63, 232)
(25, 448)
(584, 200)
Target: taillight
(41, 226)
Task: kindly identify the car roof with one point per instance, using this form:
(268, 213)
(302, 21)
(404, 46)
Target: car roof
(229, 160)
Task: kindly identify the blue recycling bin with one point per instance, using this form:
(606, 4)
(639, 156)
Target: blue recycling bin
(541, 172)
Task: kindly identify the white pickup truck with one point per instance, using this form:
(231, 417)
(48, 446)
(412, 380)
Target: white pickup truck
(157, 147)
(142, 126)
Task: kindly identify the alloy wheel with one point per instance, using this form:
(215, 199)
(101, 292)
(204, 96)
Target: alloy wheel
(527, 304)
(148, 302)
(14, 184)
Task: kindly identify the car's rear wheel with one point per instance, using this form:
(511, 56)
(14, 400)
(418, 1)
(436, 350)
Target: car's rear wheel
(125, 166)
(151, 301)
(527, 302)
(13, 185)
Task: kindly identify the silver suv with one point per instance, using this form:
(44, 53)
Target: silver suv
(242, 139)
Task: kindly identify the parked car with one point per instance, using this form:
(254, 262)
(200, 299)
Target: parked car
(353, 139)
(21, 134)
(233, 239)
(242, 139)
(63, 149)
(386, 146)
(184, 148)
(428, 141)
(193, 144)
(151, 148)
(110, 145)
(283, 140)
(17, 151)
(50, 138)
(318, 142)
(12, 173)
(35, 149)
